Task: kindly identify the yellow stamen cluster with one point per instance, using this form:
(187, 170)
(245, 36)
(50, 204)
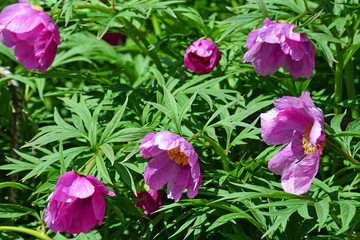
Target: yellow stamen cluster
(308, 147)
(178, 156)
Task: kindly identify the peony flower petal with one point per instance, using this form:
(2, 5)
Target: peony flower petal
(274, 45)
(179, 181)
(148, 147)
(77, 204)
(32, 34)
(194, 181)
(159, 171)
(100, 186)
(81, 188)
(282, 160)
(99, 206)
(280, 127)
(267, 59)
(202, 56)
(298, 177)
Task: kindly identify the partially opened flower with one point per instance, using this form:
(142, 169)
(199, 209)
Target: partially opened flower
(202, 56)
(298, 122)
(275, 45)
(174, 163)
(77, 204)
(151, 201)
(31, 33)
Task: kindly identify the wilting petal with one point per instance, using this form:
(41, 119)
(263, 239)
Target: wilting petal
(298, 177)
(81, 188)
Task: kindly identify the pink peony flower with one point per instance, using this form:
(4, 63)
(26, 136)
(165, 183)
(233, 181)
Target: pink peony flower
(77, 204)
(274, 45)
(31, 33)
(202, 56)
(151, 201)
(174, 163)
(298, 122)
(114, 38)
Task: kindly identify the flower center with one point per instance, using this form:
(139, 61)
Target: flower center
(178, 156)
(308, 147)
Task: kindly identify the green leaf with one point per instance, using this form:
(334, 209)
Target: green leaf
(17, 185)
(14, 211)
(101, 168)
(322, 211)
(125, 175)
(347, 213)
(111, 126)
(109, 152)
(230, 216)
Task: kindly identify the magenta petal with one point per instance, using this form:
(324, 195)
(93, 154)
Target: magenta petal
(280, 127)
(194, 181)
(83, 208)
(298, 177)
(294, 151)
(148, 147)
(99, 185)
(202, 56)
(268, 59)
(179, 182)
(98, 204)
(159, 171)
(81, 188)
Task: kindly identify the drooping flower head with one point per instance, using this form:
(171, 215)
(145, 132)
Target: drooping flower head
(298, 122)
(275, 45)
(77, 204)
(151, 201)
(174, 163)
(202, 56)
(31, 33)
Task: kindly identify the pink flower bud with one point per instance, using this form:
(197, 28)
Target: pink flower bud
(77, 204)
(202, 56)
(31, 33)
(275, 45)
(151, 201)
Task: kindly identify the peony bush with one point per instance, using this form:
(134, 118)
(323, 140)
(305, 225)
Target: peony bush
(179, 120)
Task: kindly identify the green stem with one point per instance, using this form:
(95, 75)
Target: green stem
(350, 87)
(91, 167)
(224, 158)
(25, 230)
(156, 25)
(334, 145)
(301, 14)
(135, 34)
(95, 7)
(339, 78)
(87, 162)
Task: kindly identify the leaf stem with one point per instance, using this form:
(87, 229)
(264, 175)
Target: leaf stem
(225, 158)
(339, 68)
(301, 14)
(25, 230)
(331, 142)
(87, 162)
